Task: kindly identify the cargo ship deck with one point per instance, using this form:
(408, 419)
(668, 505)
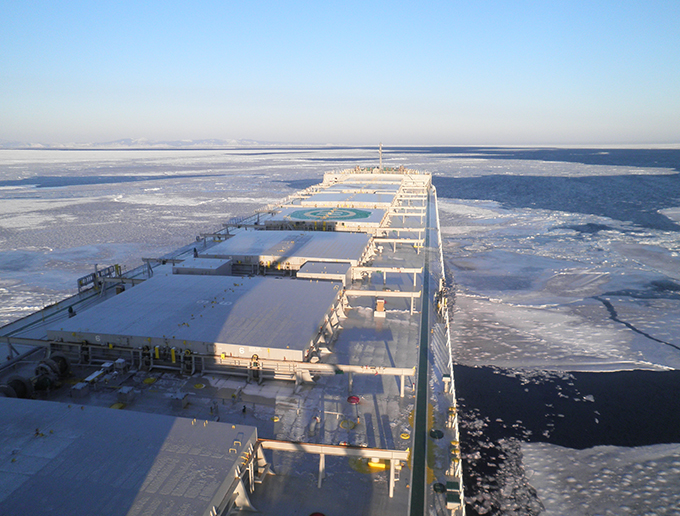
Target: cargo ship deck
(297, 361)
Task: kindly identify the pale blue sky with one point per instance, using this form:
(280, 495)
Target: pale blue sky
(456, 72)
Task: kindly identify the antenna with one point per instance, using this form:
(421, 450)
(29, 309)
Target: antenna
(381, 157)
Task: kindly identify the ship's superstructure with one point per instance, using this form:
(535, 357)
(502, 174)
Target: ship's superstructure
(296, 361)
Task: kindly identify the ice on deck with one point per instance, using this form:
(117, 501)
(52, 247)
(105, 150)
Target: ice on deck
(372, 187)
(205, 266)
(349, 199)
(325, 271)
(291, 248)
(340, 219)
(348, 215)
(69, 459)
(238, 316)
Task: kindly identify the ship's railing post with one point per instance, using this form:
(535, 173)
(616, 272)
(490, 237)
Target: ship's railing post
(393, 467)
(322, 469)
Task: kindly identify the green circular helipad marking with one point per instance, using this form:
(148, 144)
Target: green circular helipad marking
(330, 214)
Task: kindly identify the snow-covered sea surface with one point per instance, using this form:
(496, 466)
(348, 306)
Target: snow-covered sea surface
(563, 260)
(559, 290)
(605, 479)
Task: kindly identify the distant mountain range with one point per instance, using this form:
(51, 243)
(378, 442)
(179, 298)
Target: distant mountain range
(137, 143)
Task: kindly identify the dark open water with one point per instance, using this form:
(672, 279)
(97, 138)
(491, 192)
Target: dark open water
(577, 410)
(627, 408)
